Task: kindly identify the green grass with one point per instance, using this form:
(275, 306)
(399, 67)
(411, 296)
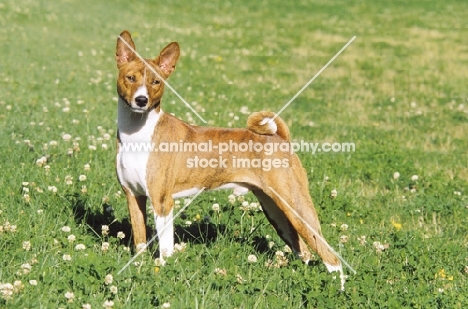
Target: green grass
(398, 92)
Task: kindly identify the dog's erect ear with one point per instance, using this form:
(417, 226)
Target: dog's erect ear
(123, 54)
(168, 57)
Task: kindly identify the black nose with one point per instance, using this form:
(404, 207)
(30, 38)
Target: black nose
(141, 100)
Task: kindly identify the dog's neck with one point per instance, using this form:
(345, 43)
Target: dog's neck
(136, 126)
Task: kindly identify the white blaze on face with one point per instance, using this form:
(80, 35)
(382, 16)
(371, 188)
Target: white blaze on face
(141, 91)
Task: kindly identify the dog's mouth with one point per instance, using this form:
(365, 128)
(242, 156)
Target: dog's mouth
(139, 110)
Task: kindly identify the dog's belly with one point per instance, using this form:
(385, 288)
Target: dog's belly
(238, 190)
(131, 169)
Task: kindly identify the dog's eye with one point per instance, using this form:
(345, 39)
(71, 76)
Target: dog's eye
(130, 78)
(155, 82)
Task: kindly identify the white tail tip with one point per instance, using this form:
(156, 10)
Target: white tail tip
(271, 124)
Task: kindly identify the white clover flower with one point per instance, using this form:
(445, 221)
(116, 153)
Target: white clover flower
(253, 206)
(121, 235)
(113, 289)
(333, 193)
(158, 262)
(252, 258)
(86, 306)
(414, 177)
(27, 198)
(180, 247)
(66, 257)
(82, 178)
(220, 271)
(108, 279)
(215, 207)
(166, 305)
(70, 296)
(66, 229)
(33, 282)
(105, 230)
(66, 137)
(41, 161)
(80, 247)
(71, 238)
(26, 268)
(396, 175)
(108, 304)
(69, 180)
(105, 246)
(379, 247)
(53, 189)
(6, 289)
(27, 245)
(87, 167)
(344, 227)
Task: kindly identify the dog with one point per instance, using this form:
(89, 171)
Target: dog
(162, 176)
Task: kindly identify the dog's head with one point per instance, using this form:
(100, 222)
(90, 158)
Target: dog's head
(141, 82)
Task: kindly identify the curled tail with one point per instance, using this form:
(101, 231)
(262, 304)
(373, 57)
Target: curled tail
(260, 123)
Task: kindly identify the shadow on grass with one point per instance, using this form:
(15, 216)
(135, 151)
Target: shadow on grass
(201, 232)
(198, 233)
(94, 219)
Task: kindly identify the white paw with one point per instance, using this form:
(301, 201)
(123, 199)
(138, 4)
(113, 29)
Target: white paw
(333, 268)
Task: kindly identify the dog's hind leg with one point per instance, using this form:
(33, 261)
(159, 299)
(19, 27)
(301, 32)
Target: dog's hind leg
(282, 225)
(298, 210)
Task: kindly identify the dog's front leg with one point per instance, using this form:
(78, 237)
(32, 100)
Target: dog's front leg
(163, 219)
(165, 229)
(137, 210)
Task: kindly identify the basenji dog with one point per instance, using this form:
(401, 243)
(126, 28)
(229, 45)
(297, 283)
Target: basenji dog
(162, 176)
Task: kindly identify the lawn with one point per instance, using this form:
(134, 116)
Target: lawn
(396, 208)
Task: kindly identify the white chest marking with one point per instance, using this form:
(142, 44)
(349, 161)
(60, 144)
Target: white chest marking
(135, 132)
